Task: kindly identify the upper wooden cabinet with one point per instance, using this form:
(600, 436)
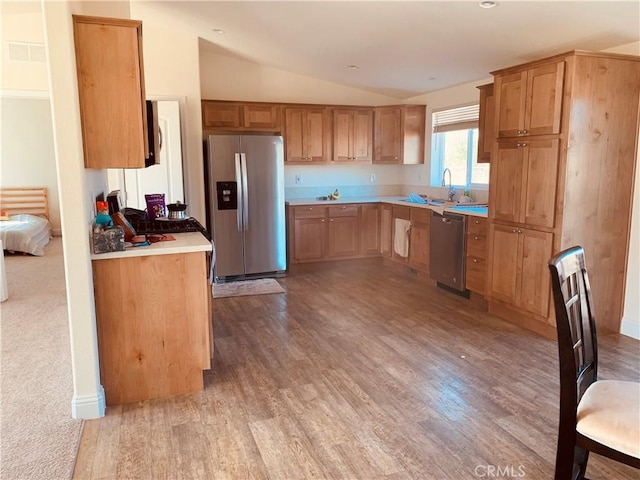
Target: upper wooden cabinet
(353, 135)
(241, 116)
(530, 101)
(486, 132)
(399, 132)
(307, 135)
(111, 91)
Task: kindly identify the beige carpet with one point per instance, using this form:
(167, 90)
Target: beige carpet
(247, 287)
(38, 437)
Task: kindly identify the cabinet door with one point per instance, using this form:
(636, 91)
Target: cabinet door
(387, 136)
(540, 176)
(261, 117)
(294, 135)
(316, 135)
(419, 240)
(362, 135)
(510, 110)
(111, 92)
(344, 237)
(544, 99)
(309, 239)
(534, 286)
(506, 182)
(386, 230)
(475, 274)
(217, 115)
(370, 229)
(342, 135)
(486, 134)
(504, 266)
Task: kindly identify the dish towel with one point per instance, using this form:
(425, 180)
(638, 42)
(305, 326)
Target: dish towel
(401, 237)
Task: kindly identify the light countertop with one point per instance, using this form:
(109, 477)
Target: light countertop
(473, 210)
(190, 242)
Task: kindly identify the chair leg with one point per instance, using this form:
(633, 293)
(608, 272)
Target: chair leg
(571, 462)
(581, 457)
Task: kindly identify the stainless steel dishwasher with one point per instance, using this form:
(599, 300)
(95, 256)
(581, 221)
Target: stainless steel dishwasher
(446, 250)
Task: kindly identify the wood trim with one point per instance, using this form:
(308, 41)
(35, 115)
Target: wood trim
(30, 200)
(126, 22)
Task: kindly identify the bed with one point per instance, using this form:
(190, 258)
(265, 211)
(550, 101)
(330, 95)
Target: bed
(24, 220)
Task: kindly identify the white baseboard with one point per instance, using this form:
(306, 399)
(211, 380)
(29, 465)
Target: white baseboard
(86, 407)
(630, 327)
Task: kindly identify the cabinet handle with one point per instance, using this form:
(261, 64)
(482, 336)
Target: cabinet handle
(344, 208)
(514, 231)
(519, 231)
(521, 144)
(310, 208)
(475, 238)
(477, 222)
(524, 132)
(331, 220)
(475, 260)
(322, 220)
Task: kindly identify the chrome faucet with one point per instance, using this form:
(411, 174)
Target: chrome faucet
(452, 190)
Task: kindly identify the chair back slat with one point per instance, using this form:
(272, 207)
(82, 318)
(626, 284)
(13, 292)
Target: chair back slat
(574, 322)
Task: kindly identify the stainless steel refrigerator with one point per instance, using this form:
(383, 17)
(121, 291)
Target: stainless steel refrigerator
(245, 183)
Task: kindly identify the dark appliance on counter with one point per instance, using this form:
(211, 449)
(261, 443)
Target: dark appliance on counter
(153, 134)
(446, 251)
(143, 226)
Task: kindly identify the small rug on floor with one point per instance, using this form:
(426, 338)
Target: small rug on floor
(247, 287)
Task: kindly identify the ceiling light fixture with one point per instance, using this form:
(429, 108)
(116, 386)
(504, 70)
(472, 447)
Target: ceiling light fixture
(488, 4)
(217, 30)
(353, 67)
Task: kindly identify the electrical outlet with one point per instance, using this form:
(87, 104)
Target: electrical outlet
(372, 178)
(298, 179)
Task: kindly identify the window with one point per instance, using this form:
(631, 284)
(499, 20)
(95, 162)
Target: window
(455, 146)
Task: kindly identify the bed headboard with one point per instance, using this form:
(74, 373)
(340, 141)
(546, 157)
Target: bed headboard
(31, 200)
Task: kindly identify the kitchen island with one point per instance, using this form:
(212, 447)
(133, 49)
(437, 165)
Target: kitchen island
(153, 313)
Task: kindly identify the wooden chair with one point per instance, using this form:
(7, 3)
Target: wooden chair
(595, 416)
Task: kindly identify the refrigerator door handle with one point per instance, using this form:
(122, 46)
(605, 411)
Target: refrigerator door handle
(240, 189)
(245, 193)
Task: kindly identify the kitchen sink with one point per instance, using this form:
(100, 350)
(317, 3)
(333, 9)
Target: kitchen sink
(426, 202)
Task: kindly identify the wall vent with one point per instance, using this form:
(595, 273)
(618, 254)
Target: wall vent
(27, 52)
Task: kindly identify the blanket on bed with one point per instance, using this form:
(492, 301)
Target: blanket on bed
(25, 233)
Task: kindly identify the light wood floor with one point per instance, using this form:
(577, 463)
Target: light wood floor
(356, 372)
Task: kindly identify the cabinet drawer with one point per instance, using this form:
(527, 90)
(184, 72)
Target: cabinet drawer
(343, 211)
(476, 274)
(476, 246)
(309, 212)
(420, 215)
(477, 225)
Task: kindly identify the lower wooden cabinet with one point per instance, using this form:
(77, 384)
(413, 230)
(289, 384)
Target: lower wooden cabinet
(476, 254)
(419, 239)
(386, 230)
(518, 272)
(149, 347)
(399, 213)
(334, 232)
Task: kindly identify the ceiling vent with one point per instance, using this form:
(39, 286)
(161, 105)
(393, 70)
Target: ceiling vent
(27, 52)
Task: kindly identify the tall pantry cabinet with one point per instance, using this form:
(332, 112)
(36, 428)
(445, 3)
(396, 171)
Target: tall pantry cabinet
(563, 163)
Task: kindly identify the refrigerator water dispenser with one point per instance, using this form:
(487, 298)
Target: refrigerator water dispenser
(227, 195)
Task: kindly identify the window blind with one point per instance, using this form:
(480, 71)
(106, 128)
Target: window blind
(461, 118)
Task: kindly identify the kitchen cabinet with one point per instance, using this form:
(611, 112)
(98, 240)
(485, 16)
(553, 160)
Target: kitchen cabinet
(567, 128)
(419, 239)
(111, 91)
(386, 230)
(343, 231)
(476, 254)
(370, 229)
(307, 135)
(520, 274)
(530, 101)
(525, 171)
(309, 233)
(241, 116)
(352, 135)
(399, 134)
(153, 317)
(486, 133)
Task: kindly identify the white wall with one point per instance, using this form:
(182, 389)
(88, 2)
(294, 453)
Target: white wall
(27, 157)
(22, 22)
